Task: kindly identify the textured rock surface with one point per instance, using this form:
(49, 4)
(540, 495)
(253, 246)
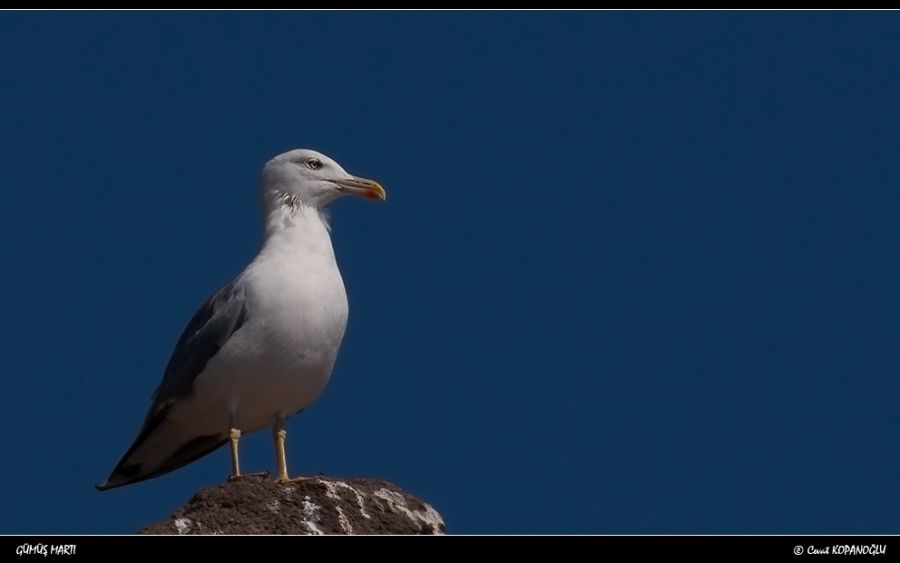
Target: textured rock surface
(321, 505)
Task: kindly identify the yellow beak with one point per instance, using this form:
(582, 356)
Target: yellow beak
(362, 186)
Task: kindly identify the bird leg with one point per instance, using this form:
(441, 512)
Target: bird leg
(279, 434)
(235, 461)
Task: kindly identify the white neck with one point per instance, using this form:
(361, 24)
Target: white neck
(297, 230)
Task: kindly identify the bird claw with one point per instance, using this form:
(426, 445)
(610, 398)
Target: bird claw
(263, 474)
(297, 479)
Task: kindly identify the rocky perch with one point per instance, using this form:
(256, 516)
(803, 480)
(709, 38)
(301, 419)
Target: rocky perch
(317, 506)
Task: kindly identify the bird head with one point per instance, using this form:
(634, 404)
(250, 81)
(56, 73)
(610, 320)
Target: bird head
(307, 177)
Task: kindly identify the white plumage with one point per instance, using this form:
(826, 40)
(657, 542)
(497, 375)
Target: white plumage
(262, 348)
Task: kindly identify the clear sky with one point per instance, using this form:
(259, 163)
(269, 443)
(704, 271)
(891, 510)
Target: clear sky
(637, 272)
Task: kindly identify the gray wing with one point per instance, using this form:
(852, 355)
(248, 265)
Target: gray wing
(209, 329)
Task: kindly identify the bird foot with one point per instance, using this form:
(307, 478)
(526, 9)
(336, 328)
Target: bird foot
(263, 474)
(286, 479)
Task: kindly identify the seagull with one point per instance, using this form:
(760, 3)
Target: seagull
(261, 348)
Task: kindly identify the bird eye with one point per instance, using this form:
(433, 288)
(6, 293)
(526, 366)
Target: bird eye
(314, 163)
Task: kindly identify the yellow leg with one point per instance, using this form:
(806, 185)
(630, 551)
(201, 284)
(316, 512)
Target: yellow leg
(235, 435)
(235, 461)
(279, 434)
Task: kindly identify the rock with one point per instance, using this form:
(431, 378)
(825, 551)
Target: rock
(320, 505)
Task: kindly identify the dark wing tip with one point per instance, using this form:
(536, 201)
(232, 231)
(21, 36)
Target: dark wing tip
(126, 474)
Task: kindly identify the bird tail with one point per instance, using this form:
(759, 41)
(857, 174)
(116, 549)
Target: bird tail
(160, 447)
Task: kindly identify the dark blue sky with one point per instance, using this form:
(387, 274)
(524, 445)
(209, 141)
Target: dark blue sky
(637, 272)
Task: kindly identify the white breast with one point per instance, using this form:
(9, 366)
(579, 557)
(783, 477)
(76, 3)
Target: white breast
(280, 360)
